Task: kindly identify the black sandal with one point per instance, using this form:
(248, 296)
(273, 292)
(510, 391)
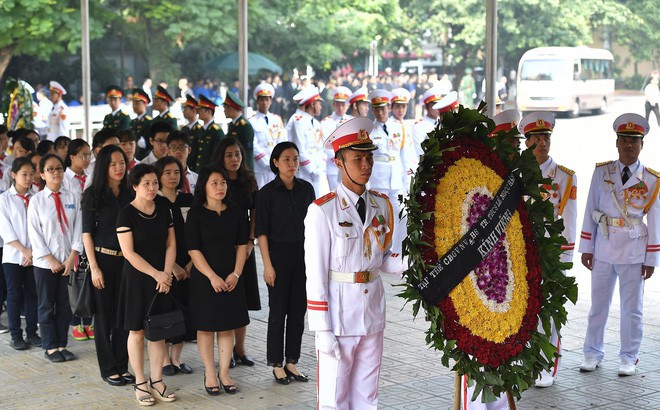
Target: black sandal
(148, 399)
(230, 388)
(211, 391)
(163, 396)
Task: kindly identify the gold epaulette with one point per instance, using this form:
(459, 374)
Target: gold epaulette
(215, 126)
(653, 172)
(600, 164)
(373, 192)
(241, 122)
(566, 170)
(325, 198)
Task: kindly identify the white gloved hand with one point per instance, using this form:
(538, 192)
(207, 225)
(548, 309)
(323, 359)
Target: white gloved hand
(601, 219)
(326, 342)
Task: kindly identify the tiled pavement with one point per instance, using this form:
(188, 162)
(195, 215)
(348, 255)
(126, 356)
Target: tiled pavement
(412, 376)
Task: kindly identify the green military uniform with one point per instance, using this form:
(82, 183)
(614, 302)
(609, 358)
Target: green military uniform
(202, 144)
(191, 130)
(118, 121)
(242, 130)
(168, 117)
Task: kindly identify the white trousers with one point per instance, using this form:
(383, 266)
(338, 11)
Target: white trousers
(466, 395)
(350, 383)
(631, 291)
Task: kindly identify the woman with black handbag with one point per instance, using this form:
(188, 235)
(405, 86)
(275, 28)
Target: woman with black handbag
(101, 202)
(216, 234)
(146, 236)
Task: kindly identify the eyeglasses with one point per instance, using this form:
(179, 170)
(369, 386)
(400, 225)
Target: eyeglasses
(85, 156)
(54, 170)
(160, 142)
(175, 148)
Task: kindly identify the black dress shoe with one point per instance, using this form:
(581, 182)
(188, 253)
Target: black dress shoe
(128, 378)
(170, 370)
(115, 381)
(55, 357)
(34, 340)
(68, 356)
(246, 360)
(185, 369)
(281, 380)
(302, 377)
(18, 344)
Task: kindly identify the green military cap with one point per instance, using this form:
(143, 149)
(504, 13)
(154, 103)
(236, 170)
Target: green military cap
(234, 101)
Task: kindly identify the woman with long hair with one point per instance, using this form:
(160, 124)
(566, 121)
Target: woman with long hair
(216, 234)
(170, 177)
(242, 190)
(146, 237)
(101, 203)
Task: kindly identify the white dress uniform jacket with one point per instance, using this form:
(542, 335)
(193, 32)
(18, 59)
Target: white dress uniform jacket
(268, 132)
(305, 132)
(421, 130)
(58, 123)
(328, 125)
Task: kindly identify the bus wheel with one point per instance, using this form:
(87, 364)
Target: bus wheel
(575, 110)
(603, 107)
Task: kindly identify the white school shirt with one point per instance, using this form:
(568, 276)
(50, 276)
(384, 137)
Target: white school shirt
(44, 228)
(14, 225)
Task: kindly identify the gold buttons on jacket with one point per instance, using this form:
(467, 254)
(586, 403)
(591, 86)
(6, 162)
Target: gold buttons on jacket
(366, 291)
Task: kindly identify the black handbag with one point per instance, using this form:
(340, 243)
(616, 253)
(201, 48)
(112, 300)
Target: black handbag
(164, 325)
(80, 289)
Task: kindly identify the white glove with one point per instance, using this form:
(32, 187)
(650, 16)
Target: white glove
(601, 219)
(326, 342)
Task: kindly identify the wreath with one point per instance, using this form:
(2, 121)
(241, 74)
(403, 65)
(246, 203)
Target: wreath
(486, 325)
(16, 107)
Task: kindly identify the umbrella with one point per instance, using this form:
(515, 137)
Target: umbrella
(256, 62)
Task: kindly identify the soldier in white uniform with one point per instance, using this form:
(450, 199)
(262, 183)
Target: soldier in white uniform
(58, 124)
(562, 192)
(348, 236)
(305, 131)
(359, 102)
(268, 132)
(427, 123)
(329, 124)
(616, 243)
(400, 127)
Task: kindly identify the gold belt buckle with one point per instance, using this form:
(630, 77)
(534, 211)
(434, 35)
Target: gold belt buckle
(618, 222)
(270, 144)
(390, 159)
(362, 277)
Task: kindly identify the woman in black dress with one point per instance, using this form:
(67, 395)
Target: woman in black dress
(216, 234)
(281, 210)
(146, 236)
(242, 186)
(170, 177)
(101, 202)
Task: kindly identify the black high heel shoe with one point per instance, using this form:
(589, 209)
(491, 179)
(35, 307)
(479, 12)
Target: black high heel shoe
(302, 377)
(281, 380)
(211, 391)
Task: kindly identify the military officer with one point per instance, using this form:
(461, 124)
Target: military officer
(359, 102)
(58, 124)
(162, 101)
(427, 123)
(562, 192)
(239, 127)
(617, 243)
(403, 130)
(117, 119)
(140, 124)
(268, 132)
(329, 124)
(305, 131)
(189, 109)
(204, 140)
(348, 239)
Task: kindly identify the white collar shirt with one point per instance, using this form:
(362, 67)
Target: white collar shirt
(13, 211)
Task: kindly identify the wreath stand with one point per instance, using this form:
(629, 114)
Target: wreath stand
(457, 394)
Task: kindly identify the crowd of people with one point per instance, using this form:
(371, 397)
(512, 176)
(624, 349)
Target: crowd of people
(168, 218)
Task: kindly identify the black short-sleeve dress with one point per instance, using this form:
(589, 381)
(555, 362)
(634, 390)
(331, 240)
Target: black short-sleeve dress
(216, 237)
(137, 288)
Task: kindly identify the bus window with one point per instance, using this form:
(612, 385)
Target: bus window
(543, 70)
(576, 71)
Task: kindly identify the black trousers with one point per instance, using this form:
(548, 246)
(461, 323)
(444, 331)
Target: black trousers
(648, 107)
(53, 309)
(21, 295)
(287, 301)
(110, 341)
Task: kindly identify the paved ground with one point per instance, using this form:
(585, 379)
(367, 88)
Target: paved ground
(412, 376)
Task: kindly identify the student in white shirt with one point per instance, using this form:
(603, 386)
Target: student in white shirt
(22, 147)
(76, 163)
(55, 232)
(17, 256)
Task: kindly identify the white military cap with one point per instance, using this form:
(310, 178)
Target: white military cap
(341, 94)
(307, 95)
(631, 125)
(506, 120)
(379, 98)
(57, 87)
(431, 95)
(537, 122)
(447, 103)
(264, 90)
(400, 95)
(361, 94)
(353, 134)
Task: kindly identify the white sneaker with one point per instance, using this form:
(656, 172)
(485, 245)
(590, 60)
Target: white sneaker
(589, 364)
(627, 369)
(546, 380)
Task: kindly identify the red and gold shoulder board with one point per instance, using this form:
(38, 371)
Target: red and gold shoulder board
(566, 170)
(653, 172)
(325, 198)
(600, 164)
(378, 194)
